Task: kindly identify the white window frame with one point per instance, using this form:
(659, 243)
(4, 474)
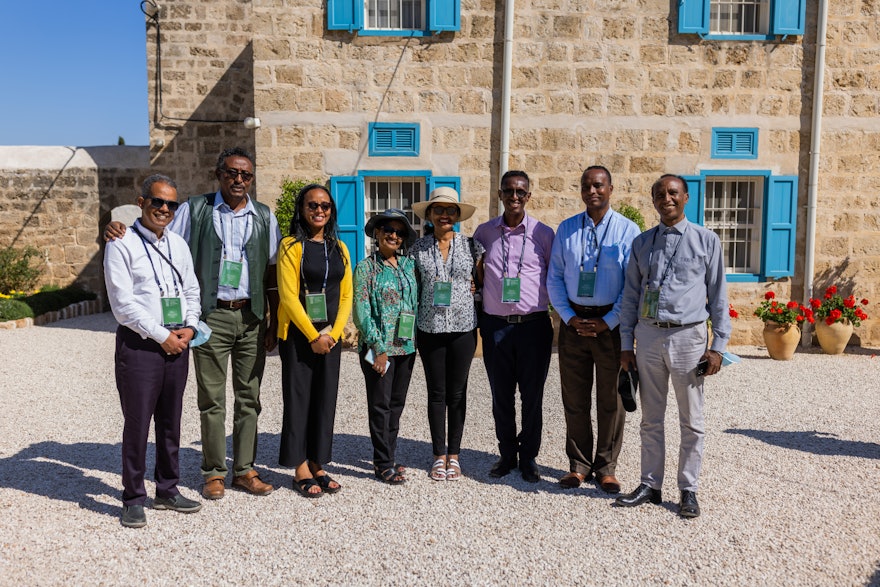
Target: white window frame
(733, 209)
(394, 21)
(756, 23)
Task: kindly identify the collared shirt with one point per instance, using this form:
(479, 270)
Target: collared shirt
(525, 250)
(381, 294)
(694, 287)
(131, 271)
(234, 229)
(583, 245)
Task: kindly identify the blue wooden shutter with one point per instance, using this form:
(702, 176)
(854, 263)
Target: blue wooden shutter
(734, 143)
(345, 15)
(780, 219)
(349, 195)
(788, 17)
(444, 15)
(693, 16)
(696, 206)
(393, 139)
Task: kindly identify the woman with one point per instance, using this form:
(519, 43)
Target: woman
(315, 289)
(447, 322)
(385, 301)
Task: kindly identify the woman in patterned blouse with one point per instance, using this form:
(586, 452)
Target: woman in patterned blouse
(447, 322)
(385, 301)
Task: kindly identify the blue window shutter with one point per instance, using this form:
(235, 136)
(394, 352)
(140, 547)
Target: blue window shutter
(695, 207)
(693, 16)
(444, 15)
(345, 15)
(780, 219)
(789, 17)
(734, 143)
(348, 192)
(393, 139)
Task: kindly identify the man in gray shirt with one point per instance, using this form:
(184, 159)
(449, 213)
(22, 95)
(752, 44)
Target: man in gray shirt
(674, 281)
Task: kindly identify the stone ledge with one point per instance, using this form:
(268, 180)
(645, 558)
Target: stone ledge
(84, 308)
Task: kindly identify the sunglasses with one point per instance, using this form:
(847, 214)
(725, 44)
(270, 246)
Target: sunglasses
(324, 206)
(390, 230)
(233, 173)
(444, 210)
(157, 203)
(510, 192)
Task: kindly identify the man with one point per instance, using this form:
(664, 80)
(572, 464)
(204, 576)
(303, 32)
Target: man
(154, 295)
(585, 282)
(515, 326)
(234, 244)
(674, 282)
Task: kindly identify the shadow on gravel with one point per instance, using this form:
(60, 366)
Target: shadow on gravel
(874, 581)
(813, 441)
(61, 471)
(103, 322)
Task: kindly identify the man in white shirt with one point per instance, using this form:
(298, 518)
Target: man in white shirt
(154, 295)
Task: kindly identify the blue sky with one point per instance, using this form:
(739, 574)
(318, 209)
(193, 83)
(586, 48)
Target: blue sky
(74, 73)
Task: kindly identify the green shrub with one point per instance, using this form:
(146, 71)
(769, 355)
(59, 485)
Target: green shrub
(285, 203)
(20, 269)
(633, 214)
(51, 300)
(14, 310)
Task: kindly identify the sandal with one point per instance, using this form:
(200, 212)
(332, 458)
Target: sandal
(438, 470)
(303, 486)
(400, 468)
(324, 482)
(390, 476)
(453, 470)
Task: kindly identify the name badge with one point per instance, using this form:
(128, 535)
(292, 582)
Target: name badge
(510, 287)
(406, 326)
(172, 311)
(586, 284)
(316, 307)
(650, 301)
(442, 294)
(230, 273)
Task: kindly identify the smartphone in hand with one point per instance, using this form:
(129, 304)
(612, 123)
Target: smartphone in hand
(702, 367)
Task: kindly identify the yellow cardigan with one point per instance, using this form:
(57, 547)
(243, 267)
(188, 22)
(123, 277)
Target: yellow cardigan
(290, 309)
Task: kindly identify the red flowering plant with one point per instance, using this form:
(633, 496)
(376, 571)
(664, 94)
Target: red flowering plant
(791, 312)
(733, 313)
(833, 307)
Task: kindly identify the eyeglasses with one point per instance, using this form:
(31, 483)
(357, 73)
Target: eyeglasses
(233, 173)
(157, 203)
(390, 230)
(444, 210)
(324, 206)
(510, 192)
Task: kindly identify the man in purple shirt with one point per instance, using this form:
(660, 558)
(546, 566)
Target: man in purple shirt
(515, 324)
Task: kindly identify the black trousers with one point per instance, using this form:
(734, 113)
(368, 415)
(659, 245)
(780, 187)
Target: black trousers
(447, 360)
(309, 386)
(386, 397)
(517, 354)
(150, 385)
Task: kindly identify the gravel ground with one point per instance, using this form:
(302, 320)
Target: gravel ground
(790, 489)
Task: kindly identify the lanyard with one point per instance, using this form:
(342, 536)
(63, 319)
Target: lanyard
(167, 260)
(247, 225)
(326, 268)
(596, 241)
(668, 262)
(505, 250)
(403, 285)
(438, 259)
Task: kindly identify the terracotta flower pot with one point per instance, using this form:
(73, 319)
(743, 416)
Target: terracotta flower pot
(781, 340)
(833, 337)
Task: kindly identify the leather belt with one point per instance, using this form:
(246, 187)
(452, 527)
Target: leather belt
(520, 318)
(672, 324)
(590, 311)
(233, 304)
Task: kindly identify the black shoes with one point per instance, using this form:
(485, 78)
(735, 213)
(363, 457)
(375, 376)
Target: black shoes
(502, 467)
(178, 503)
(530, 471)
(133, 516)
(642, 494)
(688, 508)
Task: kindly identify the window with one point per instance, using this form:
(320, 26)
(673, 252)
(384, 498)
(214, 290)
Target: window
(394, 17)
(742, 19)
(734, 143)
(393, 192)
(754, 214)
(393, 139)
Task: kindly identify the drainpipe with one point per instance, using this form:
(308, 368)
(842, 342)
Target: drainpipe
(815, 150)
(505, 94)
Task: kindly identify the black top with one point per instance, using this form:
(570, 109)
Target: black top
(313, 270)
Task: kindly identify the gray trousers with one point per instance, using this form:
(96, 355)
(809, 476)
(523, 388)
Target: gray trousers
(661, 354)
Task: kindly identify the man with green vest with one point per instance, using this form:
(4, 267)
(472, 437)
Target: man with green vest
(234, 244)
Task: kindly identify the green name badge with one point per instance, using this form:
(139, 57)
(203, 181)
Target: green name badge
(172, 311)
(406, 326)
(230, 273)
(316, 307)
(650, 301)
(510, 290)
(442, 294)
(586, 284)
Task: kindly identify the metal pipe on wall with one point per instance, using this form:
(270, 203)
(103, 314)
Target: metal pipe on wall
(507, 73)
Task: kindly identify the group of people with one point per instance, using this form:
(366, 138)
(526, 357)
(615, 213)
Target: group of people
(202, 275)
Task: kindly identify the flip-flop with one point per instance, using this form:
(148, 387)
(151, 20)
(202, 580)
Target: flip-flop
(303, 486)
(324, 482)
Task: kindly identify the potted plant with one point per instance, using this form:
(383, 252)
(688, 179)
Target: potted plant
(837, 317)
(781, 320)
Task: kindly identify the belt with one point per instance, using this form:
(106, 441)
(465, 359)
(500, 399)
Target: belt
(671, 324)
(233, 304)
(520, 318)
(590, 311)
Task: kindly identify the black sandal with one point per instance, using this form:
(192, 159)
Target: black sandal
(303, 486)
(390, 476)
(324, 482)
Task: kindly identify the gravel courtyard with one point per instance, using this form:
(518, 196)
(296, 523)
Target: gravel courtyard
(790, 489)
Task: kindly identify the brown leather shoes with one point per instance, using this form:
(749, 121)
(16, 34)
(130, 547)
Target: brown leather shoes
(571, 480)
(251, 483)
(608, 483)
(213, 488)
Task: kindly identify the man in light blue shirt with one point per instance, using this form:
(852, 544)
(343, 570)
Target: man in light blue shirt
(585, 280)
(674, 282)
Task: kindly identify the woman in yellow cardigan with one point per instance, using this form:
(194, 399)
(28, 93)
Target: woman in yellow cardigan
(315, 288)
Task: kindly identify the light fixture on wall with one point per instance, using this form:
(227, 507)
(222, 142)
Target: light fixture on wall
(251, 122)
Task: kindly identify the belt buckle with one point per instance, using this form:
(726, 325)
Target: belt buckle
(514, 319)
